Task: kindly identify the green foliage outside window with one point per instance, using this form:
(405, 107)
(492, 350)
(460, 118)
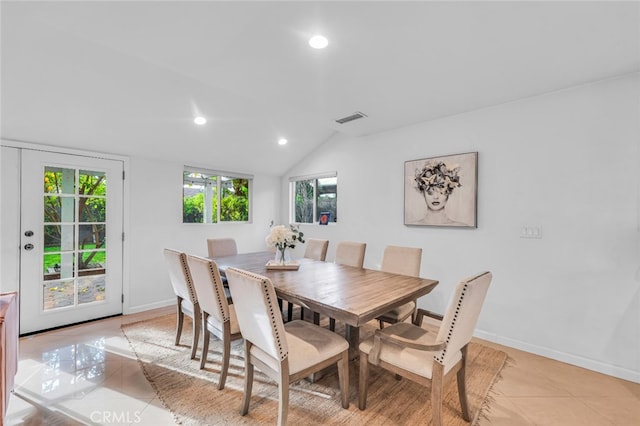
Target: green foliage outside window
(304, 201)
(193, 208)
(234, 205)
(200, 188)
(313, 197)
(60, 188)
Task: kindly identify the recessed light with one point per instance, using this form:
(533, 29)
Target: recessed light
(282, 141)
(318, 42)
(200, 120)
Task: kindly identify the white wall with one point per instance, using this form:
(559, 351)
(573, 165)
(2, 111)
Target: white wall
(9, 219)
(566, 161)
(156, 222)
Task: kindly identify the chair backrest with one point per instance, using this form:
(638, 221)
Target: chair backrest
(350, 253)
(180, 275)
(209, 287)
(402, 260)
(259, 317)
(462, 315)
(316, 249)
(222, 247)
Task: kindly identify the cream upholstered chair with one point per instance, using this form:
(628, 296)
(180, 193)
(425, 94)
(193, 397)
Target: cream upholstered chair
(284, 352)
(218, 317)
(404, 261)
(348, 253)
(316, 250)
(222, 247)
(182, 284)
(429, 359)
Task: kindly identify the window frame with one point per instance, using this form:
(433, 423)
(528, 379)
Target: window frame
(292, 196)
(218, 191)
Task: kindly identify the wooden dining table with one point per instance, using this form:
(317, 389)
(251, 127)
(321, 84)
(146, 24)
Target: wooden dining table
(351, 295)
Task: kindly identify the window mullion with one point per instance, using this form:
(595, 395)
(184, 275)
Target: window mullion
(208, 199)
(315, 200)
(218, 197)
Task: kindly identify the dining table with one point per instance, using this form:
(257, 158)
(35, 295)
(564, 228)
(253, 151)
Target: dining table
(351, 295)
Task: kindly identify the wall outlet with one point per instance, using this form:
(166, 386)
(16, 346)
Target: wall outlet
(531, 232)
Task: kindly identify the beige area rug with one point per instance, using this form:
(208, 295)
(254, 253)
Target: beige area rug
(193, 398)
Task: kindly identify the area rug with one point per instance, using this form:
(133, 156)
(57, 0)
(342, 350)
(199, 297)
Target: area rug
(193, 398)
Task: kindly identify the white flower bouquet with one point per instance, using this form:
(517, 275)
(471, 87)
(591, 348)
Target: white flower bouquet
(282, 237)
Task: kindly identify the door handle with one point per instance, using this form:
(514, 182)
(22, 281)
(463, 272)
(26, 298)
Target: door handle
(28, 246)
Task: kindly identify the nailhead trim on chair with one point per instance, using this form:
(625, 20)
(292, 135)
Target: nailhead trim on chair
(188, 279)
(265, 289)
(225, 315)
(443, 353)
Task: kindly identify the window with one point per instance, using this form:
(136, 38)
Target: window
(313, 196)
(212, 197)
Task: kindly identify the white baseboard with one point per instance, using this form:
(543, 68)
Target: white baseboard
(141, 308)
(589, 364)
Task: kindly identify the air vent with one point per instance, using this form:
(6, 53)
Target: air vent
(355, 116)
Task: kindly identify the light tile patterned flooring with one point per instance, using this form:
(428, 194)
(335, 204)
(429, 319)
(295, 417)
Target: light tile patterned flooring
(87, 374)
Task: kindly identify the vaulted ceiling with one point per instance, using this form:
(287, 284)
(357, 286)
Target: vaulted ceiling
(128, 77)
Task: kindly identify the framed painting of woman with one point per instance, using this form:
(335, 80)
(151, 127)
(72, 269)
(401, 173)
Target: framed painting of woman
(441, 191)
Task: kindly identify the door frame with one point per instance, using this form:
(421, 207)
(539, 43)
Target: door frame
(126, 289)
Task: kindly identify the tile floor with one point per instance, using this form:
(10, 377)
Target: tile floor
(86, 374)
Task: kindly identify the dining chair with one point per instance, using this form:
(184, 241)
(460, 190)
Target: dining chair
(348, 253)
(222, 247)
(182, 284)
(287, 352)
(429, 359)
(403, 261)
(218, 317)
(316, 250)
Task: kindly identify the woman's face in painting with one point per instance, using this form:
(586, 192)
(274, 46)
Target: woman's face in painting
(435, 199)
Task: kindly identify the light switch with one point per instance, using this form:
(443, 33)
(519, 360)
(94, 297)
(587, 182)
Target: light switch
(528, 231)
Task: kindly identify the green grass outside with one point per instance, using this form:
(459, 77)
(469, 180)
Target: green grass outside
(54, 258)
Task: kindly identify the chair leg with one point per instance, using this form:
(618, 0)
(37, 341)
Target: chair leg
(343, 377)
(205, 340)
(196, 331)
(332, 324)
(248, 379)
(226, 354)
(302, 313)
(289, 311)
(283, 390)
(316, 318)
(381, 323)
(363, 381)
(437, 382)
(180, 319)
(462, 387)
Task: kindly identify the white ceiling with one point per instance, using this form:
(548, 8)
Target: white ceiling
(128, 77)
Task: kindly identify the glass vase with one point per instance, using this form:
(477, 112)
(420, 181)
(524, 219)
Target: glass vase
(283, 256)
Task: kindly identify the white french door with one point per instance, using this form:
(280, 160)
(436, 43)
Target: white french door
(71, 239)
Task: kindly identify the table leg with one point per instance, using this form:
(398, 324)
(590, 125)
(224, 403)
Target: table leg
(352, 334)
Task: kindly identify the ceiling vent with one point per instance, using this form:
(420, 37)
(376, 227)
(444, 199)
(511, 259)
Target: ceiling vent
(355, 116)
